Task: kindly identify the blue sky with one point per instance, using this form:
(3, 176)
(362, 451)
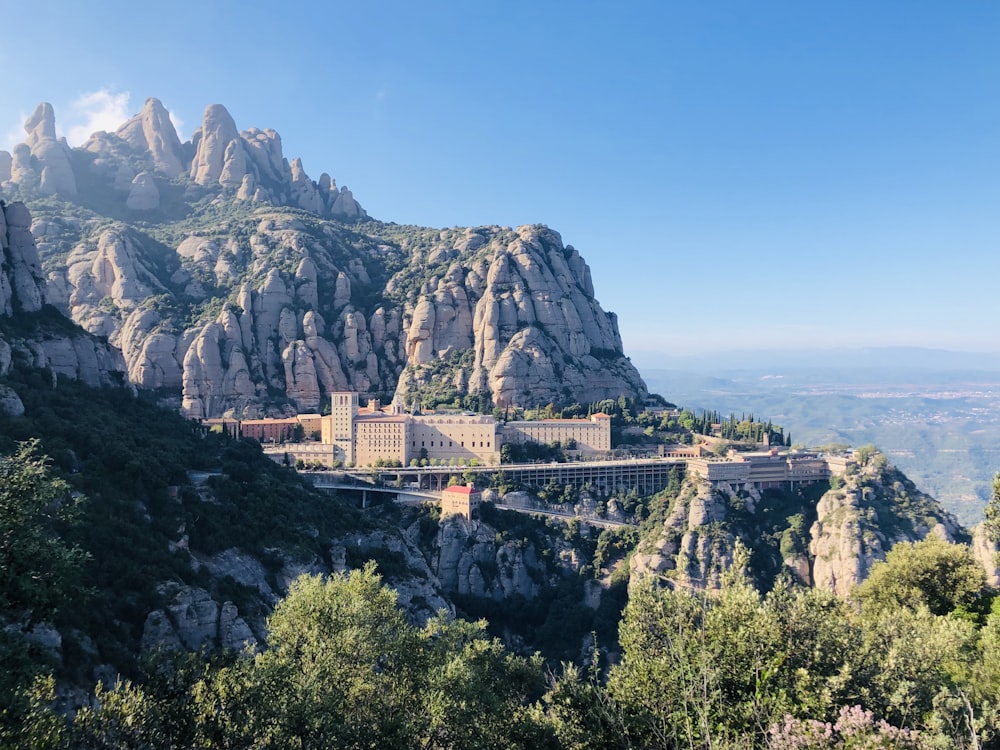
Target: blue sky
(737, 174)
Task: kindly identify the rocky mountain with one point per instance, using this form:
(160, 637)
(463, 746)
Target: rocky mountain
(31, 331)
(828, 540)
(234, 283)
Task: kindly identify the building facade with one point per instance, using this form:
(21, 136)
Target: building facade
(461, 500)
(767, 469)
(590, 436)
(366, 436)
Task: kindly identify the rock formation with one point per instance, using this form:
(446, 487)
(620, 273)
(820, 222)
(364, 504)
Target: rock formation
(528, 312)
(52, 343)
(857, 523)
(860, 518)
(22, 284)
(219, 156)
(257, 300)
(143, 194)
(153, 132)
(54, 173)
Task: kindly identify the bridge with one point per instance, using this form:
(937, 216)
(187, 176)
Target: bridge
(419, 484)
(645, 475)
(409, 496)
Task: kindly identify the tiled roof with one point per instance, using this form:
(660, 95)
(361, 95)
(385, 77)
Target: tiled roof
(460, 489)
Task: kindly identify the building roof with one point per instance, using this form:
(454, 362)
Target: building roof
(380, 417)
(460, 489)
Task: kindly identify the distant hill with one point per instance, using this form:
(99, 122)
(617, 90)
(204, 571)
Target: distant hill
(936, 414)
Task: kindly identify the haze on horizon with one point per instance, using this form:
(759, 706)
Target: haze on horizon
(737, 176)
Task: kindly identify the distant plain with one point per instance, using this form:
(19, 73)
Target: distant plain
(935, 414)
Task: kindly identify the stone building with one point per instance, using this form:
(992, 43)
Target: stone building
(588, 436)
(461, 500)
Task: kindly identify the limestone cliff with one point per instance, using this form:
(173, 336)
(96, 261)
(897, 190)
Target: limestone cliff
(863, 515)
(227, 277)
(827, 540)
(524, 303)
(32, 333)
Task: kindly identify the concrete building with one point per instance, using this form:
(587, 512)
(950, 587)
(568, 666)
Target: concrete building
(365, 436)
(338, 427)
(311, 454)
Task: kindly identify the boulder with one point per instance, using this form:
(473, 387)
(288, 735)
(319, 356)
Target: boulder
(143, 195)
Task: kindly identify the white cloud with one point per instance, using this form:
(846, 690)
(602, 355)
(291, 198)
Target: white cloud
(103, 109)
(178, 125)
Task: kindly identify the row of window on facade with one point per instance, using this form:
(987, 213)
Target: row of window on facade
(450, 444)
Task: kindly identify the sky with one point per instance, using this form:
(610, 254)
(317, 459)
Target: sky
(738, 175)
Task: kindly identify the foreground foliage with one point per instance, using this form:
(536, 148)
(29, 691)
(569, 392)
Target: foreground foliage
(344, 669)
(797, 668)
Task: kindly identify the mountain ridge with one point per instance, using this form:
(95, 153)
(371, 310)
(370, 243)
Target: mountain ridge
(221, 270)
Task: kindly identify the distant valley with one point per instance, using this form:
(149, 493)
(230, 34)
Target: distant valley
(935, 414)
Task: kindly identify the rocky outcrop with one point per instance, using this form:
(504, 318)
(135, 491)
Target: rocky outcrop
(343, 206)
(281, 303)
(693, 548)
(194, 621)
(106, 277)
(50, 342)
(295, 321)
(22, 282)
(49, 168)
(6, 162)
(528, 312)
(468, 559)
(151, 131)
(218, 150)
(143, 194)
(861, 517)
(10, 402)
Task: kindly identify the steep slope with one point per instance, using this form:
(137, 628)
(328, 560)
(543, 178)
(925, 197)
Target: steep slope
(825, 535)
(32, 332)
(229, 279)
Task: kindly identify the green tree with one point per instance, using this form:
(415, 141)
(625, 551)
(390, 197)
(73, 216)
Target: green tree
(992, 512)
(666, 683)
(344, 669)
(39, 573)
(943, 577)
(38, 570)
(473, 694)
(582, 714)
(339, 671)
